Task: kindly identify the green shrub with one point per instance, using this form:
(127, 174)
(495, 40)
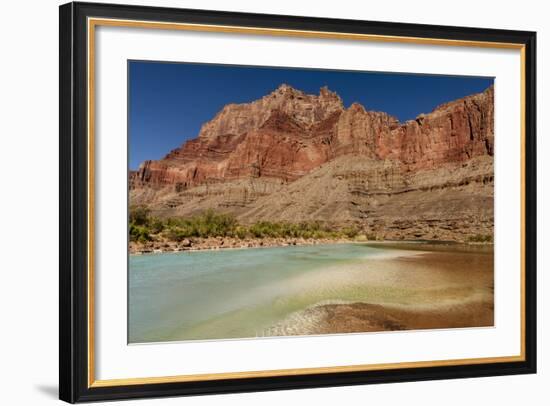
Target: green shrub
(175, 233)
(139, 215)
(240, 232)
(480, 238)
(156, 225)
(264, 229)
(212, 224)
(350, 232)
(139, 233)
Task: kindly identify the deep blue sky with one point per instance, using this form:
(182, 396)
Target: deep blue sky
(168, 102)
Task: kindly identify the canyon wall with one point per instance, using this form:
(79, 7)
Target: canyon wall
(291, 156)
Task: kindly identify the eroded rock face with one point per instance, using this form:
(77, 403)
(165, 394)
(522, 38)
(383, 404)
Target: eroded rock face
(303, 109)
(288, 133)
(256, 159)
(453, 132)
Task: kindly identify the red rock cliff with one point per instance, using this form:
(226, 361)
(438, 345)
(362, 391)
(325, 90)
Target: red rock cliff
(288, 133)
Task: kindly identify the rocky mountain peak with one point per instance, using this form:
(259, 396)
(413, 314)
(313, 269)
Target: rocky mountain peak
(286, 93)
(327, 94)
(286, 90)
(288, 133)
(304, 109)
(293, 156)
(486, 97)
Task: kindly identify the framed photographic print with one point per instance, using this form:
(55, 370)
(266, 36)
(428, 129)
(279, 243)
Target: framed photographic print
(258, 202)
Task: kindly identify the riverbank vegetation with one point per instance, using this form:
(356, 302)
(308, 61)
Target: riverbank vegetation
(211, 230)
(144, 228)
(480, 238)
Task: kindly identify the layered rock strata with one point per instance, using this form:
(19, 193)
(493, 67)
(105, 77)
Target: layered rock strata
(291, 156)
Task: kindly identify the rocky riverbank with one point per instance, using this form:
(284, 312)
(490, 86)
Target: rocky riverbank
(216, 243)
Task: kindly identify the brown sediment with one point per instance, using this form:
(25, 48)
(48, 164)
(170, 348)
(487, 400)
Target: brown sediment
(365, 317)
(429, 290)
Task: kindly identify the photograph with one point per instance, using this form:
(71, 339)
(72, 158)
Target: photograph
(282, 201)
(255, 201)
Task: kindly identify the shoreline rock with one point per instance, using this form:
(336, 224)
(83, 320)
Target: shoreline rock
(224, 243)
(218, 243)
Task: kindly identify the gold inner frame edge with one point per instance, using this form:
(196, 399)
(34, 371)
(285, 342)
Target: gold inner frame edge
(94, 22)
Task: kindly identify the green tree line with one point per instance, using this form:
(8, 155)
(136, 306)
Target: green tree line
(143, 227)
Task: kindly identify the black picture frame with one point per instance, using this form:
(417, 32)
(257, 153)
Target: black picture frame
(74, 199)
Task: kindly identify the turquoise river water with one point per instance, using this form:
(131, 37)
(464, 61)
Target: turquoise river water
(239, 293)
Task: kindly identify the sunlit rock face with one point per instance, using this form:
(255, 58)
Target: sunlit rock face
(285, 155)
